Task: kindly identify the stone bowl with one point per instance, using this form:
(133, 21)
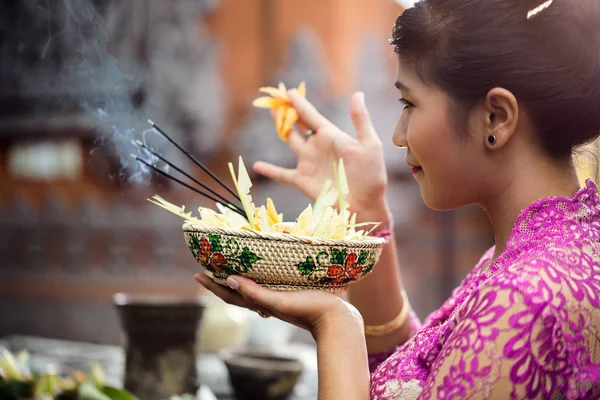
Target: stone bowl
(261, 375)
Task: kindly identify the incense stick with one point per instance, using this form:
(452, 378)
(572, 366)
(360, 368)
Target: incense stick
(163, 173)
(176, 168)
(191, 157)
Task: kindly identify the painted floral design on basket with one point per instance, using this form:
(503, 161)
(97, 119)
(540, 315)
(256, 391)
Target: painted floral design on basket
(228, 259)
(342, 267)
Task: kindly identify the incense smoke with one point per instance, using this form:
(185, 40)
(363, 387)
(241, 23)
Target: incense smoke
(102, 57)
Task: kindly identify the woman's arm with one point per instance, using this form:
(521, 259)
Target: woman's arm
(378, 296)
(336, 326)
(342, 358)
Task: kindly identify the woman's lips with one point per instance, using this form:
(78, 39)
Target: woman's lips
(416, 169)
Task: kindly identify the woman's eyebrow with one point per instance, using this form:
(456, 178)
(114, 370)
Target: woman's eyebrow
(400, 86)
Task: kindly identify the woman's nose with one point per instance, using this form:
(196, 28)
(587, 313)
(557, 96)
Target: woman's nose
(399, 136)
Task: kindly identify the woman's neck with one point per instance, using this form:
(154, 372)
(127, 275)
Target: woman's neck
(527, 185)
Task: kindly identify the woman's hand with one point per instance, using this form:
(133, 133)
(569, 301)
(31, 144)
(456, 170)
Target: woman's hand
(363, 155)
(336, 326)
(313, 310)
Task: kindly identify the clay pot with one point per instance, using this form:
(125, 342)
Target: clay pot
(160, 345)
(261, 375)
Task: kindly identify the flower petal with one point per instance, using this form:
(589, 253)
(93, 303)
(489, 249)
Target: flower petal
(217, 261)
(283, 90)
(266, 102)
(272, 213)
(339, 280)
(279, 118)
(204, 253)
(291, 116)
(350, 260)
(274, 92)
(335, 270)
(355, 271)
(302, 89)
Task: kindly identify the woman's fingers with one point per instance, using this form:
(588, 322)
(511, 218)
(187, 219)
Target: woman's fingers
(295, 141)
(307, 113)
(274, 172)
(365, 132)
(246, 293)
(254, 293)
(301, 127)
(226, 294)
(230, 296)
(304, 308)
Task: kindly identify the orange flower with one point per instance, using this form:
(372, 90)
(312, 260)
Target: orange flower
(207, 257)
(204, 253)
(349, 270)
(279, 100)
(218, 261)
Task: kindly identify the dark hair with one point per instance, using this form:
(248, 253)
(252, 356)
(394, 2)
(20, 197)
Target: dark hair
(551, 63)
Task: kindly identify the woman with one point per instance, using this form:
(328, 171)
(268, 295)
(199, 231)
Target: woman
(495, 97)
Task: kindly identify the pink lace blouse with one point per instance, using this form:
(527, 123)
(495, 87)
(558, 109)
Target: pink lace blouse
(528, 326)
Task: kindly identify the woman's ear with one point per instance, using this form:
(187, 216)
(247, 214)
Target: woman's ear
(500, 119)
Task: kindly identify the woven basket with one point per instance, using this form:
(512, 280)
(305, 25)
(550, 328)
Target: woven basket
(282, 261)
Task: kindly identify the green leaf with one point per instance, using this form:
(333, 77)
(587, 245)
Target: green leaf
(321, 255)
(362, 258)
(231, 248)
(230, 269)
(9, 365)
(194, 246)
(338, 257)
(307, 267)
(194, 243)
(324, 280)
(87, 391)
(247, 258)
(48, 384)
(97, 375)
(215, 242)
(117, 394)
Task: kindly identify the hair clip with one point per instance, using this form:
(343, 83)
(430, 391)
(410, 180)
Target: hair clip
(536, 11)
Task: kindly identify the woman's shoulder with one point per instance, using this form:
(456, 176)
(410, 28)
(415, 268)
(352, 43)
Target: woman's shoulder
(542, 312)
(569, 268)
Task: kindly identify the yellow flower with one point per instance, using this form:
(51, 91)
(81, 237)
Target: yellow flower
(321, 220)
(274, 218)
(287, 115)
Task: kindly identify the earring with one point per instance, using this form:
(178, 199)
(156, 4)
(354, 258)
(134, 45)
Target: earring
(491, 139)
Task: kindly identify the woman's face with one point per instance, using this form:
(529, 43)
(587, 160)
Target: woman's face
(447, 164)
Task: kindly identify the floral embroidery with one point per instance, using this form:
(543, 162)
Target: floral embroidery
(349, 270)
(461, 381)
(527, 326)
(478, 318)
(230, 259)
(212, 260)
(342, 269)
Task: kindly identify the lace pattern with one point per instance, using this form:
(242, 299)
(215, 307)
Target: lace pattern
(528, 326)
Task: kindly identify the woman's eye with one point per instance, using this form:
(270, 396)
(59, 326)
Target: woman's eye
(405, 103)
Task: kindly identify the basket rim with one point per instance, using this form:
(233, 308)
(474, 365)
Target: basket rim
(283, 237)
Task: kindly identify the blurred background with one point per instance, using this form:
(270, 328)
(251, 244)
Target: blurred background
(79, 78)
